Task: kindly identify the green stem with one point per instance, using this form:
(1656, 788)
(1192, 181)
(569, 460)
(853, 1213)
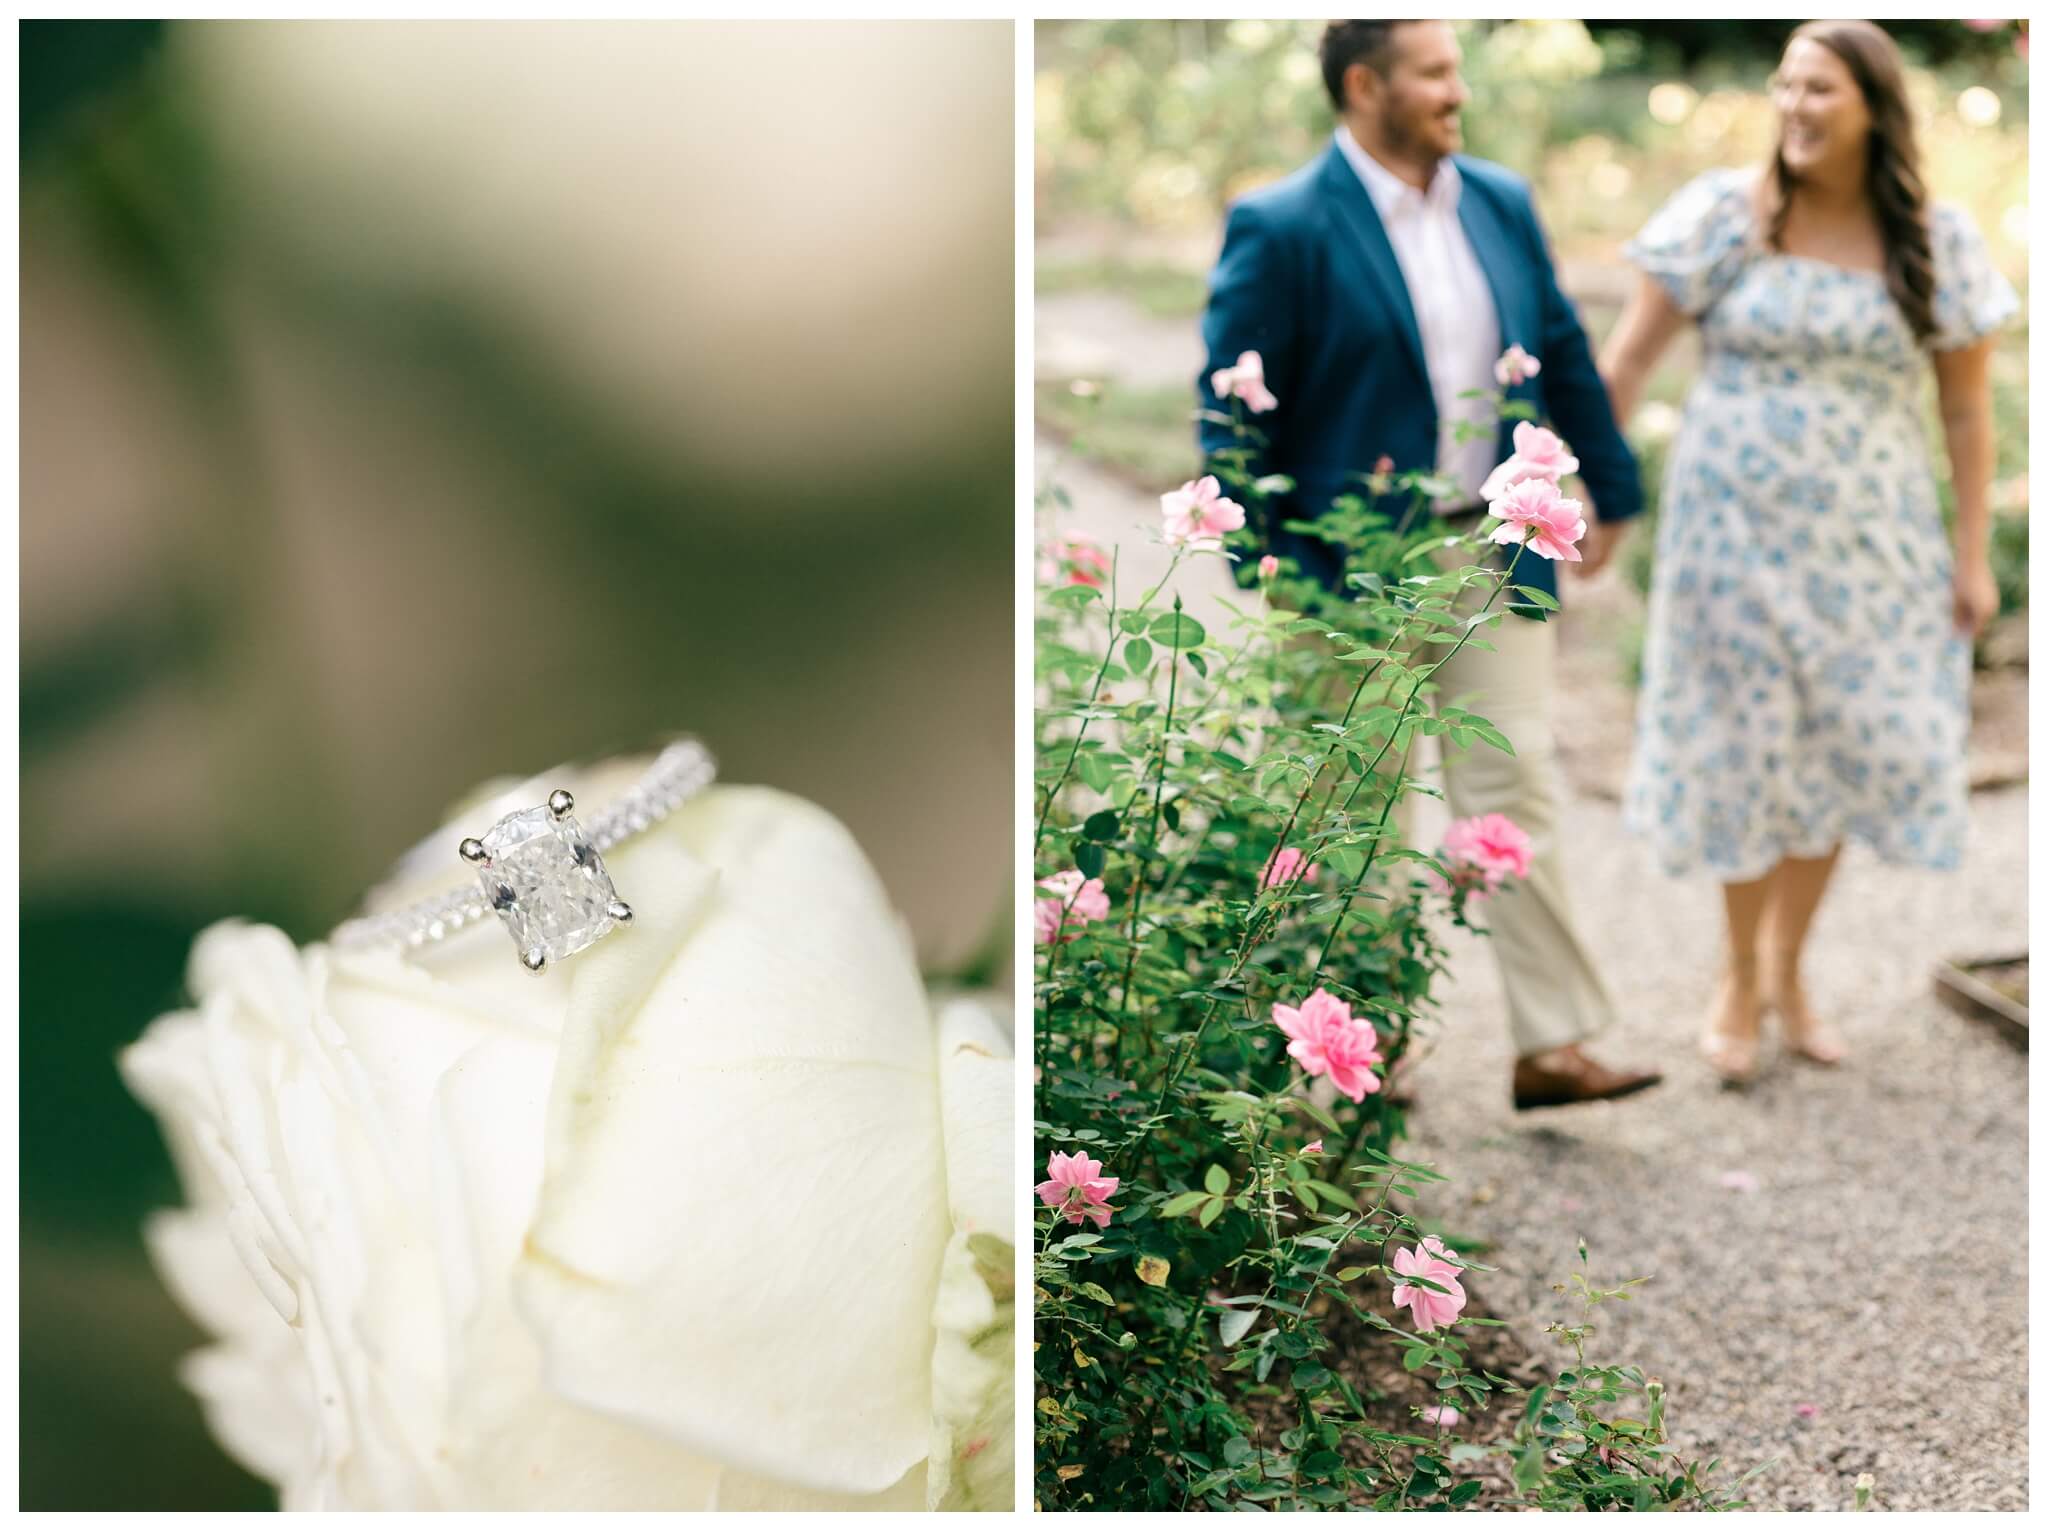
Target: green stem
(1422, 678)
(1152, 834)
(1095, 690)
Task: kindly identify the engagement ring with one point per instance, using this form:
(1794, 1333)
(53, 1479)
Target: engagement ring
(540, 870)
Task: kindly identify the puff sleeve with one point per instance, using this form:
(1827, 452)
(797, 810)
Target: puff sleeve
(1696, 243)
(1972, 298)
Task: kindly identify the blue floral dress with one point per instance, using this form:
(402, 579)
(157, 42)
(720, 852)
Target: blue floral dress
(1803, 679)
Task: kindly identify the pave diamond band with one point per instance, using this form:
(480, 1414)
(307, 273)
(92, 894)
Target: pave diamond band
(542, 872)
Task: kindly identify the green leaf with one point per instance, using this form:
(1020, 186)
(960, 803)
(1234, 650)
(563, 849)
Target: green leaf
(1231, 1328)
(1211, 1210)
(1183, 1204)
(1197, 663)
(1217, 1179)
(1466, 1492)
(1535, 597)
(1094, 1293)
(1317, 1114)
(1102, 826)
(1138, 655)
(1089, 857)
(1093, 769)
(1178, 630)
(1352, 1272)
(1347, 861)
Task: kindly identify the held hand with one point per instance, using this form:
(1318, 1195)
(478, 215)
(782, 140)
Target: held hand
(1975, 596)
(1599, 544)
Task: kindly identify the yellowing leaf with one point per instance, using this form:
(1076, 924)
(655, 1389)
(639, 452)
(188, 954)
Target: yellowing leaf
(1153, 1271)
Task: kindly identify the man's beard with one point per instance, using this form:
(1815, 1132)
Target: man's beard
(1405, 136)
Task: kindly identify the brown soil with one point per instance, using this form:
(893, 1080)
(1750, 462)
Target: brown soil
(1366, 1359)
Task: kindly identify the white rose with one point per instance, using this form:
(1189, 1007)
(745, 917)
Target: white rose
(715, 1215)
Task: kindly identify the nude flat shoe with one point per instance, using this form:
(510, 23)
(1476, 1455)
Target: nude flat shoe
(1817, 1041)
(1732, 1057)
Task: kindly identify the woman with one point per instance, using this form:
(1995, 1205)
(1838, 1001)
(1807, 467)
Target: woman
(1807, 668)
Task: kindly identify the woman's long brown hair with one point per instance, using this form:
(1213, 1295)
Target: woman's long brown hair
(1896, 191)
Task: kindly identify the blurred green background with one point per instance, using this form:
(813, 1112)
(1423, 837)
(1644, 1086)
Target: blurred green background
(1146, 130)
(404, 405)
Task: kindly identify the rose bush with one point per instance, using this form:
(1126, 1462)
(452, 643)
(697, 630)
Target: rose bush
(717, 1215)
(1215, 1038)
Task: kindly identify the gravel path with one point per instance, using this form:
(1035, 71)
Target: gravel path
(1811, 1321)
(1822, 1290)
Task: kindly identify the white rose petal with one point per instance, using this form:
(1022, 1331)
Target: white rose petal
(973, 1366)
(663, 1229)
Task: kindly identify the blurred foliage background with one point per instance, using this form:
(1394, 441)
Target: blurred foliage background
(406, 405)
(1146, 131)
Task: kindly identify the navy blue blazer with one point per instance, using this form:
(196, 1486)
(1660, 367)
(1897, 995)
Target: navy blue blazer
(1308, 280)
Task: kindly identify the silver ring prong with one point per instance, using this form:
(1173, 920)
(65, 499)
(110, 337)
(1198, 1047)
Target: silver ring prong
(534, 959)
(620, 911)
(561, 804)
(472, 851)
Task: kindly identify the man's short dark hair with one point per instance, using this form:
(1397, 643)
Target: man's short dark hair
(1345, 43)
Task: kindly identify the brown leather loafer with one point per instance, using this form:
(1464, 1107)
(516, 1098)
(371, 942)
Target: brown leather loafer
(1546, 1081)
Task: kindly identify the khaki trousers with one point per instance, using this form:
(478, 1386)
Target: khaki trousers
(1555, 995)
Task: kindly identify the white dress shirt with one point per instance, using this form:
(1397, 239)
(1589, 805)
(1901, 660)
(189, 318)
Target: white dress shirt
(1453, 307)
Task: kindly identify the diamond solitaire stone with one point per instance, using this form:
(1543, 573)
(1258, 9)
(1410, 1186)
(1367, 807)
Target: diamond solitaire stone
(546, 881)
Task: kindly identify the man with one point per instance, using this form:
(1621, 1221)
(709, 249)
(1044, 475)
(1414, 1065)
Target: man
(1379, 284)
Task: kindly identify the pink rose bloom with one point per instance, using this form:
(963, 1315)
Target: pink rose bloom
(1534, 512)
(1515, 366)
(1538, 453)
(1313, 1148)
(1429, 1309)
(1247, 380)
(1075, 902)
(1984, 26)
(1268, 566)
(1081, 557)
(1284, 866)
(1442, 1415)
(1326, 1040)
(1484, 852)
(1078, 1189)
(1806, 1410)
(1197, 515)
